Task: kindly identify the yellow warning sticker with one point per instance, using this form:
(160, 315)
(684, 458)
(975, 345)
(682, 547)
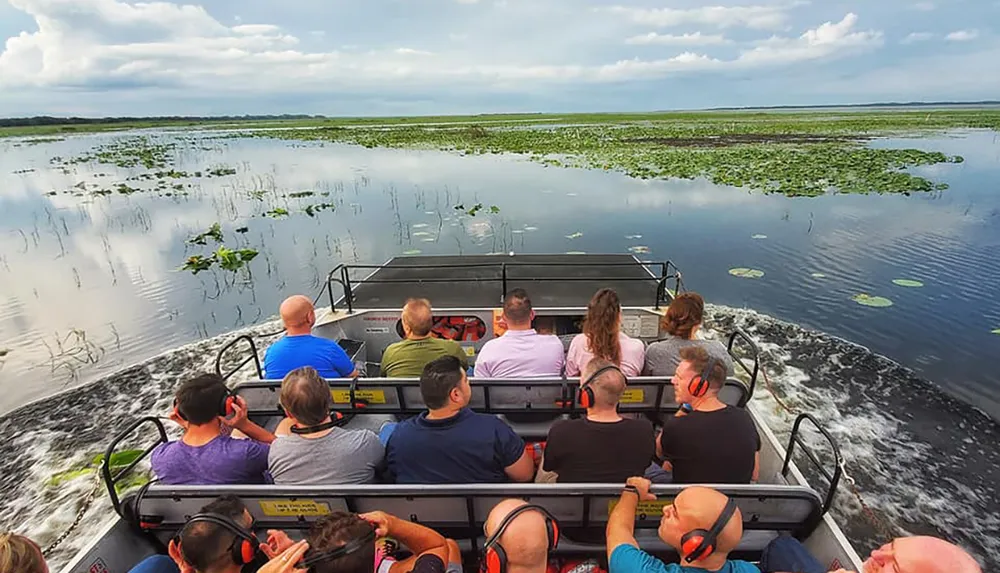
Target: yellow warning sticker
(370, 396)
(294, 508)
(646, 509)
(633, 396)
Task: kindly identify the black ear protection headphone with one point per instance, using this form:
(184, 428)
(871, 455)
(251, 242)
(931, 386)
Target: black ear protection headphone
(225, 408)
(495, 558)
(585, 396)
(342, 551)
(698, 543)
(698, 386)
(245, 544)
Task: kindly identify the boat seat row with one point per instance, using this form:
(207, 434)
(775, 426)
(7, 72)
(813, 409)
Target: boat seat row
(459, 511)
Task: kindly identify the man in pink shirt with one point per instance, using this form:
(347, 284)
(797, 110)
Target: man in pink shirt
(520, 352)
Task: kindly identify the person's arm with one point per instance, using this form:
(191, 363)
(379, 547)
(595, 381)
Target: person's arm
(240, 422)
(572, 367)
(518, 464)
(621, 522)
(756, 468)
(418, 539)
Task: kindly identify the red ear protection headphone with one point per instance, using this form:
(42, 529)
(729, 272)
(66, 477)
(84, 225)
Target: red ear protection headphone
(495, 558)
(245, 544)
(585, 396)
(698, 386)
(698, 543)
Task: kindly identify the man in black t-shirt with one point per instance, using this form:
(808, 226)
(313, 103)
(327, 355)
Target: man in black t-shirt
(603, 447)
(712, 442)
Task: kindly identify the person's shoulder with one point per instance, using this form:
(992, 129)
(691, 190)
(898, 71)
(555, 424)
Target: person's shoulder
(164, 449)
(560, 427)
(244, 445)
(739, 566)
(551, 340)
(639, 424)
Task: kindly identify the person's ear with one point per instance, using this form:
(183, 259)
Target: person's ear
(532, 315)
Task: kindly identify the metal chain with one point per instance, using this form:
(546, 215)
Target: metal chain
(878, 523)
(87, 502)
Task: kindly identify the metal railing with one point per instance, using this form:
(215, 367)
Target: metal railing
(794, 439)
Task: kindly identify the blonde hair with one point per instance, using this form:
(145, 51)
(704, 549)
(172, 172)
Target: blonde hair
(18, 554)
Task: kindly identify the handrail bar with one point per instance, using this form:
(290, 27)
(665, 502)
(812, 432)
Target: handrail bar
(754, 352)
(834, 479)
(253, 356)
(111, 481)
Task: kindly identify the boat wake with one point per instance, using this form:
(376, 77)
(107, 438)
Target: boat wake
(924, 462)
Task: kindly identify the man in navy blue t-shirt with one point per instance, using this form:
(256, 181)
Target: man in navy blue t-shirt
(450, 443)
(300, 348)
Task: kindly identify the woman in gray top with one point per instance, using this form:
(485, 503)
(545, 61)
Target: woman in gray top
(682, 322)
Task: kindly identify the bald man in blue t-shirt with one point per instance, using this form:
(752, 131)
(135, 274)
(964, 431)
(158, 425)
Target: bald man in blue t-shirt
(300, 348)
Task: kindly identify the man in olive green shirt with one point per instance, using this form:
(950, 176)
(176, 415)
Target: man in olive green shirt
(406, 359)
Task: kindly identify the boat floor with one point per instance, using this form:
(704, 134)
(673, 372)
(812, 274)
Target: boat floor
(476, 281)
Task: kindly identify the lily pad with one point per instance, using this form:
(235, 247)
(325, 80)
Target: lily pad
(995, 331)
(575, 235)
(633, 237)
(869, 300)
(818, 276)
(907, 283)
(758, 236)
(745, 273)
(412, 252)
(639, 250)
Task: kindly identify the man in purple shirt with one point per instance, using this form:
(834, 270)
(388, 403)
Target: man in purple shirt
(206, 454)
(520, 352)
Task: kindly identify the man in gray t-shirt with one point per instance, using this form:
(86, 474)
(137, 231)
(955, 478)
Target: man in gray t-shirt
(663, 357)
(309, 448)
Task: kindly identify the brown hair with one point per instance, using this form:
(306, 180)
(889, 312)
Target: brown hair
(18, 554)
(337, 530)
(517, 306)
(306, 396)
(418, 317)
(686, 311)
(601, 326)
(698, 357)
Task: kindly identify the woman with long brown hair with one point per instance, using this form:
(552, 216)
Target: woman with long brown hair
(682, 324)
(602, 338)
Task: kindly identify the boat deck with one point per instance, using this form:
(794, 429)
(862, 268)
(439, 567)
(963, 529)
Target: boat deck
(478, 281)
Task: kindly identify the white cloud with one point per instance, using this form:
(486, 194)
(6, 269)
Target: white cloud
(924, 6)
(412, 52)
(758, 17)
(695, 39)
(915, 37)
(962, 36)
(829, 39)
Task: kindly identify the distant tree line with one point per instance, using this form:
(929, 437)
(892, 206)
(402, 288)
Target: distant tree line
(49, 120)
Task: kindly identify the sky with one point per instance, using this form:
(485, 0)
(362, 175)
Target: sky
(418, 57)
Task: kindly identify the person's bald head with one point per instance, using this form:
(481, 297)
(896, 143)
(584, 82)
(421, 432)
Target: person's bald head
(525, 539)
(920, 554)
(417, 317)
(608, 386)
(698, 508)
(298, 314)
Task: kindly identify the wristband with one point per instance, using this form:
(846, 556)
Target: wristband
(687, 408)
(631, 489)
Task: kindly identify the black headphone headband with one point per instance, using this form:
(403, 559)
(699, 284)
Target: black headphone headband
(710, 537)
(244, 545)
(706, 374)
(590, 379)
(316, 428)
(342, 551)
(495, 537)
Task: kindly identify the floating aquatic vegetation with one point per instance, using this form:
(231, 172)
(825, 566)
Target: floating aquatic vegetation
(995, 331)
(818, 275)
(758, 236)
(214, 232)
(420, 226)
(517, 232)
(633, 237)
(429, 239)
(125, 189)
(529, 229)
(118, 462)
(311, 210)
(4, 352)
(276, 213)
(300, 194)
(125, 152)
(910, 283)
(421, 234)
(197, 263)
(869, 300)
(575, 235)
(233, 260)
(242, 229)
(745, 273)
(475, 209)
(221, 171)
(412, 252)
(639, 250)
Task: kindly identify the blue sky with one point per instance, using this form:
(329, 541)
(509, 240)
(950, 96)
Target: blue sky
(397, 57)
